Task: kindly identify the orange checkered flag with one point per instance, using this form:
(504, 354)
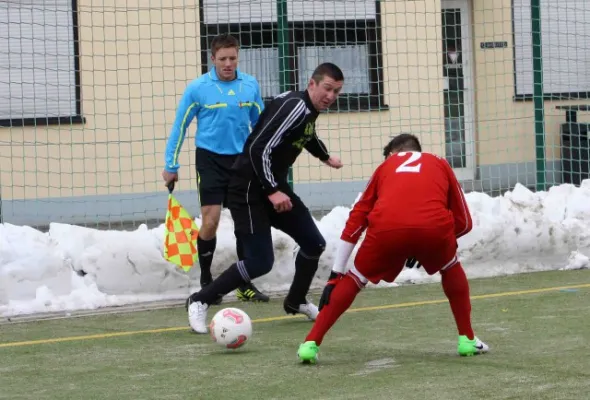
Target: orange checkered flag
(180, 246)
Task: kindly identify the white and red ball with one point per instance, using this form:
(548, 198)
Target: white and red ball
(231, 328)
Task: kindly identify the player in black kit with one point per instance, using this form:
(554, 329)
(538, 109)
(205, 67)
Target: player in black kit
(259, 196)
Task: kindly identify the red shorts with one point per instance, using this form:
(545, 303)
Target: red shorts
(382, 255)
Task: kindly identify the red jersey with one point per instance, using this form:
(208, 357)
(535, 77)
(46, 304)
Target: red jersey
(410, 189)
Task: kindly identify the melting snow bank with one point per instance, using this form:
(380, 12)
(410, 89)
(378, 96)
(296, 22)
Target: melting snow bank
(76, 268)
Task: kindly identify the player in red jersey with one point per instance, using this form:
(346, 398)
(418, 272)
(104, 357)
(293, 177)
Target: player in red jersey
(423, 226)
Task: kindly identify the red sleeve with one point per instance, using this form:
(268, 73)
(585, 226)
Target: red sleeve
(357, 219)
(457, 204)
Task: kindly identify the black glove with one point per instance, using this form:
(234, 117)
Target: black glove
(412, 263)
(332, 281)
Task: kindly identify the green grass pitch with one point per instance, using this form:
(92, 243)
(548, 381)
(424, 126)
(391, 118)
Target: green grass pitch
(399, 343)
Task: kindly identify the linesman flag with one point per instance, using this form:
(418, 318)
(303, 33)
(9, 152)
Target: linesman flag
(180, 246)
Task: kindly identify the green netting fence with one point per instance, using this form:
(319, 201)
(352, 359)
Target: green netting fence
(88, 92)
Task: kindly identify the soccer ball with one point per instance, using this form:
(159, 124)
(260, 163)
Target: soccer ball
(231, 328)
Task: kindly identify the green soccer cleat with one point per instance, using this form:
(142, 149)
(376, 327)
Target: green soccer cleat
(308, 352)
(467, 347)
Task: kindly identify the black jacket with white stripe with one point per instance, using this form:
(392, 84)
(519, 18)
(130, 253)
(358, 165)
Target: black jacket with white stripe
(284, 129)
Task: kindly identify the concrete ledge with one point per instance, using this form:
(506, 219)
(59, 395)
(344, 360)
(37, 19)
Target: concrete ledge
(130, 210)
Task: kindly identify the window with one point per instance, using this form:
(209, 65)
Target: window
(345, 32)
(39, 66)
(259, 54)
(565, 36)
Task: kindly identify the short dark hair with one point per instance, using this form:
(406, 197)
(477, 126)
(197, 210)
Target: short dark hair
(327, 69)
(402, 142)
(223, 41)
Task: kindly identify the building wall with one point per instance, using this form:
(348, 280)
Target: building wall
(134, 66)
(505, 128)
(137, 59)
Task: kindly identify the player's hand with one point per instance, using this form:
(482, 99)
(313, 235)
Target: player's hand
(332, 282)
(170, 178)
(280, 201)
(412, 263)
(333, 162)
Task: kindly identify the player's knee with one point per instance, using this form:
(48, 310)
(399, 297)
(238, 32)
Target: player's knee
(208, 231)
(260, 264)
(358, 278)
(313, 249)
(455, 265)
(210, 221)
(210, 216)
(240, 249)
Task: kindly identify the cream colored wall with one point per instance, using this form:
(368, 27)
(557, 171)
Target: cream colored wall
(412, 89)
(136, 58)
(505, 128)
(502, 124)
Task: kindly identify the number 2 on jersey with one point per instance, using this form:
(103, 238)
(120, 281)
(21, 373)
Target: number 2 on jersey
(406, 167)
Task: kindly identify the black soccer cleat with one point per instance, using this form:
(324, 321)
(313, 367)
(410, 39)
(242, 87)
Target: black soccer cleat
(219, 298)
(188, 302)
(249, 292)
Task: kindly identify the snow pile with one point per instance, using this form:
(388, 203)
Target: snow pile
(73, 268)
